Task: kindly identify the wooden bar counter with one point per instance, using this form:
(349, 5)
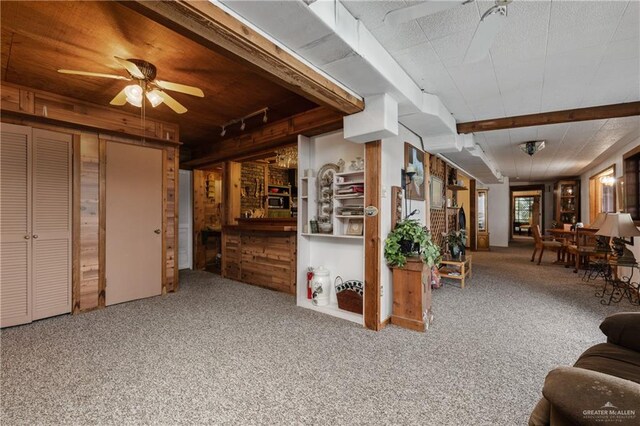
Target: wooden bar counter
(261, 252)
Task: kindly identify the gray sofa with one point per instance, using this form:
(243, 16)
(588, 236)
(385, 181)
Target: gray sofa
(602, 387)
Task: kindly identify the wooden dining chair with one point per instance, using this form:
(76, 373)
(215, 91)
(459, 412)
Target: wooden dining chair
(543, 243)
(583, 248)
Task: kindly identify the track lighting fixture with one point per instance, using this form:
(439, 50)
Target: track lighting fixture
(242, 120)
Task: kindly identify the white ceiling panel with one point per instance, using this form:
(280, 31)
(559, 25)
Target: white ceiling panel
(395, 38)
(549, 56)
(628, 27)
(577, 24)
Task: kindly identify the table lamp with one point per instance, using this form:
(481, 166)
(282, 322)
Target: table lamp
(619, 226)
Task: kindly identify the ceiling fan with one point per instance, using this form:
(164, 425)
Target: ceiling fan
(490, 23)
(144, 73)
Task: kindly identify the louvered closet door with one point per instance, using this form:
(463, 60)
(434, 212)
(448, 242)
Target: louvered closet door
(51, 239)
(15, 225)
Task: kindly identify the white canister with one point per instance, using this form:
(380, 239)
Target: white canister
(321, 286)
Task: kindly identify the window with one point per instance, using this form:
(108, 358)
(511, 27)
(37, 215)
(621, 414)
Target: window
(631, 192)
(523, 209)
(602, 193)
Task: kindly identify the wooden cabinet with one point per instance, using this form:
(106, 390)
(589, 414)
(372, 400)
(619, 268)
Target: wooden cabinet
(412, 296)
(482, 234)
(567, 202)
(35, 228)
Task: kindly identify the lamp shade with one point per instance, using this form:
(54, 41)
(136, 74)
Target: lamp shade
(597, 224)
(618, 225)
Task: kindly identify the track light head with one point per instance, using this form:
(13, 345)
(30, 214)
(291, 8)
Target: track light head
(265, 118)
(223, 132)
(243, 125)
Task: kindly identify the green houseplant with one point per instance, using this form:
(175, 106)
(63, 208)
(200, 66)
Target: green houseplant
(456, 241)
(410, 238)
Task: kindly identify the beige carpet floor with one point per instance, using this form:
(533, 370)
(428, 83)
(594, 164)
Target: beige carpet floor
(221, 352)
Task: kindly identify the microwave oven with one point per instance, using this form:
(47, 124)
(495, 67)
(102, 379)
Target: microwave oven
(275, 202)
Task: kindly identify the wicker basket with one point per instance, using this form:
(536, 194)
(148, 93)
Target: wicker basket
(349, 295)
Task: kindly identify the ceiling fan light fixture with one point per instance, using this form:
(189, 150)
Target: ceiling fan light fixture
(154, 98)
(532, 147)
(134, 95)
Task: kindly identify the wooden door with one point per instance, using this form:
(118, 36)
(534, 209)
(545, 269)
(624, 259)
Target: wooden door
(51, 225)
(15, 225)
(133, 222)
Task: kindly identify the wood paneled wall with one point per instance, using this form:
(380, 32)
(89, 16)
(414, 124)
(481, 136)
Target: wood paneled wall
(88, 287)
(207, 214)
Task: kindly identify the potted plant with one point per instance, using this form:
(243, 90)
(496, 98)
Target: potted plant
(456, 241)
(409, 238)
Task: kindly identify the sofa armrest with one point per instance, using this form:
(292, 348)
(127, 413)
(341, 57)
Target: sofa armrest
(623, 329)
(579, 397)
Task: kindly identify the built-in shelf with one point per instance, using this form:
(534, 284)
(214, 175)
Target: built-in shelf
(457, 188)
(351, 173)
(353, 182)
(349, 237)
(346, 216)
(304, 197)
(348, 197)
(333, 309)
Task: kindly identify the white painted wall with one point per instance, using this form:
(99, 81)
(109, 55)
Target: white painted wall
(392, 163)
(614, 158)
(185, 223)
(499, 221)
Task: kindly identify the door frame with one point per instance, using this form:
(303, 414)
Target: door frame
(188, 214)
(513, 189)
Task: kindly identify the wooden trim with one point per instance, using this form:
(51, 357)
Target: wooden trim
(102, 223)
(473, 215)
(64, 111)
(554, 117)
(176, 220)
(217, 30)
(164, 222)
(372, 243)
(601, 172)
(385, 323)
(75, 233)
(273, 135)
(631, 153)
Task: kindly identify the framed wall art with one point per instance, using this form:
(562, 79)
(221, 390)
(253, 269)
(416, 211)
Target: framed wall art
(414, 162)
(436, 192)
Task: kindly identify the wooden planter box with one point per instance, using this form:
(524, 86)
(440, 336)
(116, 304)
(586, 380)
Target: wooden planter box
(412, 295)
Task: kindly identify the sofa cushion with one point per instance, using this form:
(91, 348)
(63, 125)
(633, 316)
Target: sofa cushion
(623, 329)
(611, 359)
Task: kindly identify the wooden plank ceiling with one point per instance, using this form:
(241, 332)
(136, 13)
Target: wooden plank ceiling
(40, 37)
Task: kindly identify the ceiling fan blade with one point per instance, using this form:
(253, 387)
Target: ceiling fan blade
(430, 7)
(131, 67)
(94, 74)
(171, 103)
(486, 32)
(120, 99)
(182, 88)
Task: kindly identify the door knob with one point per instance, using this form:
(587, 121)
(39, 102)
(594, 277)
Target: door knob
(26, 237)
(35, 236)
(157, 231)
